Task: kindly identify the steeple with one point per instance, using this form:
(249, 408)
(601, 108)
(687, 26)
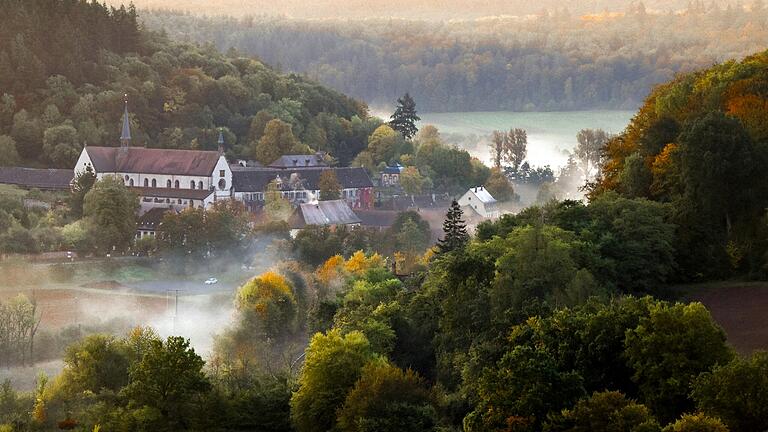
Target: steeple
(221, 141)
(125, 136)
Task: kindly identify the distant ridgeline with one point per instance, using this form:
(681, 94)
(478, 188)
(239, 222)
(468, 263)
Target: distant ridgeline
(554, 60)
(700, 143)
(67, 66)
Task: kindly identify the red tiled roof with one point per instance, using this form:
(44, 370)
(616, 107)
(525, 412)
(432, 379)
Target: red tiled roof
(153, 161)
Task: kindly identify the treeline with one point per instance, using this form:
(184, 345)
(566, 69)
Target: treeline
(551, 61)
(68, 64)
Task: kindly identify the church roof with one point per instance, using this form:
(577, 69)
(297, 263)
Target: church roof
(141, 160)
(324, 213)
(257, 179)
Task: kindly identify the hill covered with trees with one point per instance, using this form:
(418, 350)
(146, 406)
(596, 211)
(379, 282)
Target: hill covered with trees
(68, 65)
(551, 60)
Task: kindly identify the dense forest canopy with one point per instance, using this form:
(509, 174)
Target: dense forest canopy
(700, 143)
(68, 64)
(550, 61)
(424, 9)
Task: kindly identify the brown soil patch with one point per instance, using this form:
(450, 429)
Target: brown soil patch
(740, 308)
(63, 307)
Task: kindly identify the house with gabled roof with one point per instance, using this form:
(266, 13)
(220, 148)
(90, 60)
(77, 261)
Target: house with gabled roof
(478, 200)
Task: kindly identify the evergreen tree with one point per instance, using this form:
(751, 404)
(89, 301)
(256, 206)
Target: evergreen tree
(404, 119)
(456, 236)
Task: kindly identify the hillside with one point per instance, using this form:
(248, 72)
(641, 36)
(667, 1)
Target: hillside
(548, 62)
(69, 64)
(700, 144)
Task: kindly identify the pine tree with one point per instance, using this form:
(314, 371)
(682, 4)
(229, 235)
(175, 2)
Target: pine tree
(456, 236)
(404, 119)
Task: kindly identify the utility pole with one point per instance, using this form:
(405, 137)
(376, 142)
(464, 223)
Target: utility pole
(176, 308)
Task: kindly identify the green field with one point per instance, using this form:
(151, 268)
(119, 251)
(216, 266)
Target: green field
(550, 134)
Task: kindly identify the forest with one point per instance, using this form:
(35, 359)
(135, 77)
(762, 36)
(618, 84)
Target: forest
(566, 316)
(69, 66)
(549, 61)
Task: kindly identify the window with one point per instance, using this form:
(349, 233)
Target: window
(179, 200)
(176, 184)
(192, 184)
(130, 182)
(200, 184)
(221, 173)
(168, 184)
(126, 177)
(154, 183)
(146, 182)
(222, 184)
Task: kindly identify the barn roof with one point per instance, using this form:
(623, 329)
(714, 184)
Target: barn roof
(299, 161)
(256, 180)
(153, 161)
(49, 179)
(324, 213)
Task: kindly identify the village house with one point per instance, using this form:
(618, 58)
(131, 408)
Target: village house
(481, 202)
(162, 178)
(332, 214)
(37, 178)
(301, 185)
(390, 175)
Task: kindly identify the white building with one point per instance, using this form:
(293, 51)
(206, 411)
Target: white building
(162, 178)
(481, 202)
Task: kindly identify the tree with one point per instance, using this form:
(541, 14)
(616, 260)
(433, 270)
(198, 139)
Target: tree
(515, 147)
(110, 209)
(696, 423)
(277, 207)
(589, 149)
(268, 304)
(332, 367)
(277, 140)
(97, 363)
(169, 380)
(411, 180)
(498, 149)
(60, 144)
(387, 399)
(668, 350)
(498, 186)
(736, 392)
(608, 411)
(404, 118)
(454, 230)
(81, 185)
(8, 154)
(383, 144)
(330, 188)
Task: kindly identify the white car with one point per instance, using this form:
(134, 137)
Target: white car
(211, 281)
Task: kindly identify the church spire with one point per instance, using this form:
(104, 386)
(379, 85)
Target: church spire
(221, 141)
(125, 136)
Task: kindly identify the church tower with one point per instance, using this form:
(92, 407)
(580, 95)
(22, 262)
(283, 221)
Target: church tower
(125, 135)
(221, 141)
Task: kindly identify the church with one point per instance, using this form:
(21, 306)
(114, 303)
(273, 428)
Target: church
(162, 178)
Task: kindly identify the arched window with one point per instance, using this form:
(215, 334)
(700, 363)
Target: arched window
(179, 200)
(176, 184)
(168, 183)
(146, 182)
(130, 182)
(154, 183)
(192, 184)
(200, 184)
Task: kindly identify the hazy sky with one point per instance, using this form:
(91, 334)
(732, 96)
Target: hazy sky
(424, 9)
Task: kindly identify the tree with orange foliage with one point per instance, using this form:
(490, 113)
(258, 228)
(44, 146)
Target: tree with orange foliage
(268, 301)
